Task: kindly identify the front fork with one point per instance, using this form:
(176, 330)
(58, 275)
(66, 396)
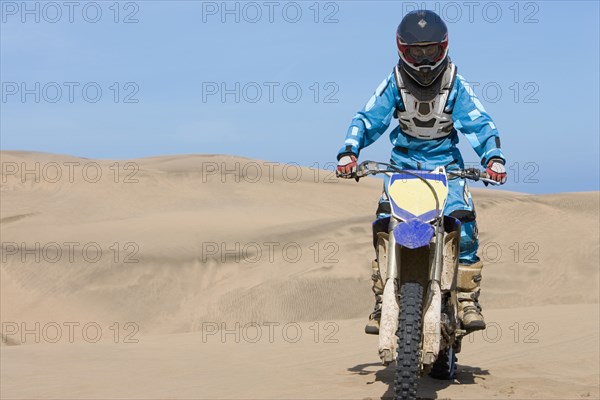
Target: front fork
(390, 310)
(432, 334)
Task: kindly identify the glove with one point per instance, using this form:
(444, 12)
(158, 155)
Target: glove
(496, 170)
(346, 167)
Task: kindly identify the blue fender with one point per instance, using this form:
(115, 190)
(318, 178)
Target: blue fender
(413, 233)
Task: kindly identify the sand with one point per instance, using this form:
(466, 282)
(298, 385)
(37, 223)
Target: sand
(217, 277)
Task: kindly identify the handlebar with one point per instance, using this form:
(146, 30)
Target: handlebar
(367, 168)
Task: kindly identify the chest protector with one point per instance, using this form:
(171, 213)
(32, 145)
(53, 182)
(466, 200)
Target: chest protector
(425, 114)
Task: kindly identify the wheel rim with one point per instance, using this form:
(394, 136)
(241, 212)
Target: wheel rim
(451, 362)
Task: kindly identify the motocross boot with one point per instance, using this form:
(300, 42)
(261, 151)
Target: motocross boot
(372, 327)
(469, 283)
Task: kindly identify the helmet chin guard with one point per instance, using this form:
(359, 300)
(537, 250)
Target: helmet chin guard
(424, 76)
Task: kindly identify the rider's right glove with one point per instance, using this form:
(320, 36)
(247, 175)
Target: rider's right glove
(496, 170)
(346, 167)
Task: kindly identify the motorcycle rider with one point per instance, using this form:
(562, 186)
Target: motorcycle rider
(431, 102)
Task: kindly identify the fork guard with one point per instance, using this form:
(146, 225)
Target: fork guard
(432, 334)
(388, 324)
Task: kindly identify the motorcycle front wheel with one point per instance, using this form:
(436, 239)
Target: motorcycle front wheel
(408, 363)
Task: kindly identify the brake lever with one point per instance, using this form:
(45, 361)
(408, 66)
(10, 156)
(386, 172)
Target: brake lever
(487, 181)
(475, 175)
(484, 177)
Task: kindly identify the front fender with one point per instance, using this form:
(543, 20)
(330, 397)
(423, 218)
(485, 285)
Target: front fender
(413, 233)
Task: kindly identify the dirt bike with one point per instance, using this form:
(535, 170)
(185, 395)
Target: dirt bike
(418, 259)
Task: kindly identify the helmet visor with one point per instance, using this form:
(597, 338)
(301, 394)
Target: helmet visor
(423, 54)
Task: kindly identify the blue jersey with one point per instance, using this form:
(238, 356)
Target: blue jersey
(468, 116)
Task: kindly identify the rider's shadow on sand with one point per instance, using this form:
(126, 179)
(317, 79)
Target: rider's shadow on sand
(428, 387)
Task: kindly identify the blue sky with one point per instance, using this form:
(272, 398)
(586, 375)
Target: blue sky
(162, 66)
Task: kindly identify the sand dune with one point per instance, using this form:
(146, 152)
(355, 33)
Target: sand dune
(176, 244)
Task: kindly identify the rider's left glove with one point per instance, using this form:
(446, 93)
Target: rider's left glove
(496, 170)
(346, 167)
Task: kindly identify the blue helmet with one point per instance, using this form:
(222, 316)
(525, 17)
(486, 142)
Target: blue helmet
(422, 39)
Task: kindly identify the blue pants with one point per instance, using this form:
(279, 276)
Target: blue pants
(458, 205)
